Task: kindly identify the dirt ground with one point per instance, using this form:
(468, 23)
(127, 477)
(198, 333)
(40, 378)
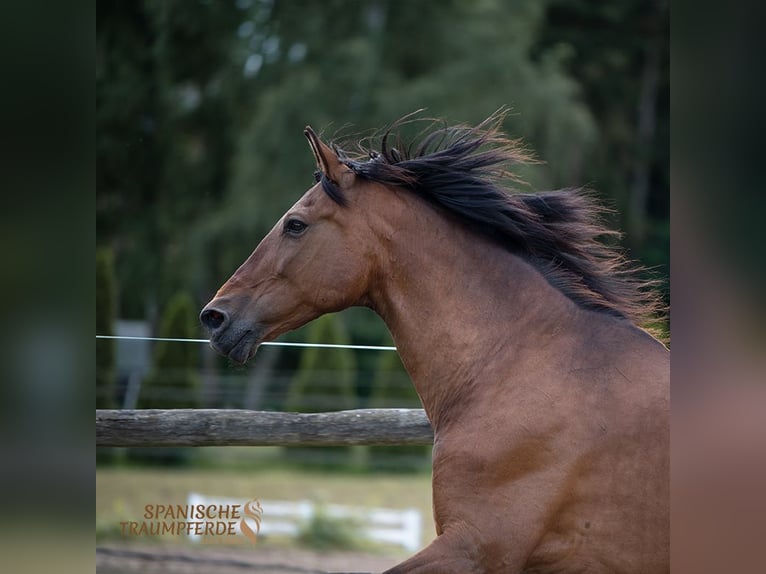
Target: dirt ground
(155, 559)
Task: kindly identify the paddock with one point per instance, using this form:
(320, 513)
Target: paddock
(238, 427)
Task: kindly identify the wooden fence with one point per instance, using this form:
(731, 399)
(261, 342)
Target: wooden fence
(223, 427)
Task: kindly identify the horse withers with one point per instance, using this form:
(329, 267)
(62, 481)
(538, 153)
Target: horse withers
(520, 330)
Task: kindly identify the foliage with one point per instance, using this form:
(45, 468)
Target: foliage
(165, 99)
(619, 54)
(392, 388)
(200, 108)
(106, 307)
(173, 382)
(324, 382)
(324, 532)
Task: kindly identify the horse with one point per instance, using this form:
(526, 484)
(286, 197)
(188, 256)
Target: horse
(519, 323)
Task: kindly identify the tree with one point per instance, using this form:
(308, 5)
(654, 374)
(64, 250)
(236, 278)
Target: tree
(392, 388)
(200, 108)
(324, 382)
(167, 87)
(173, 381)
(619, 53)
(106, 307)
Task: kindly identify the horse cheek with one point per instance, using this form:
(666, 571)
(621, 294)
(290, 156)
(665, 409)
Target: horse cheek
(339, 285)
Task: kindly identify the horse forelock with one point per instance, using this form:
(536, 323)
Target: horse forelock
(561, 233)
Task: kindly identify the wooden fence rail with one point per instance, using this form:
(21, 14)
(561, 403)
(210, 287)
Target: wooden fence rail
(222, 427)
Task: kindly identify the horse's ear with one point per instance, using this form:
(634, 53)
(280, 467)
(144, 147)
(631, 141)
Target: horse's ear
(327, 160)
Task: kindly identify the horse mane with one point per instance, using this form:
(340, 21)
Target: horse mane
(462, 169)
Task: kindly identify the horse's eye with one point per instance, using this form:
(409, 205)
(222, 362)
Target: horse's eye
(295, 226)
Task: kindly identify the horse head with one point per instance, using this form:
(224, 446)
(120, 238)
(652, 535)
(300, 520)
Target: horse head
(316, 259)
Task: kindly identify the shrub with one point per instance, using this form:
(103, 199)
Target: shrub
(106, 309)
(324, 382)
(392, 388)
(324, 532)
(173, 382)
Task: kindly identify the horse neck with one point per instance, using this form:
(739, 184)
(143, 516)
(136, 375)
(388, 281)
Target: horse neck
(458, 304)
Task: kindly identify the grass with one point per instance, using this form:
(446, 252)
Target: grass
(325, 533)
(122, 492)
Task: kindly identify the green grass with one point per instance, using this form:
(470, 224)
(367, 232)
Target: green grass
(122, 492)
(325, 533)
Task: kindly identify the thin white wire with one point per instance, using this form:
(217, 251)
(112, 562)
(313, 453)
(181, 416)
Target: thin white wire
(272, 343)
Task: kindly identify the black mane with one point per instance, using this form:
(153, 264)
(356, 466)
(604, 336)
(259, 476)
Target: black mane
(560, 232)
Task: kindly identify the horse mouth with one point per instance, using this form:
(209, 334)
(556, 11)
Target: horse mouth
(239, 347)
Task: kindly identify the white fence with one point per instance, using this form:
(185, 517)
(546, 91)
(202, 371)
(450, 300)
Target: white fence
(285, 518)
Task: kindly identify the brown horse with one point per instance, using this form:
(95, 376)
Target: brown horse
(519, 330)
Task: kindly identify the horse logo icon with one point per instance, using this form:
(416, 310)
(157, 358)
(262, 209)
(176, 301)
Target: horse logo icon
(252, 513)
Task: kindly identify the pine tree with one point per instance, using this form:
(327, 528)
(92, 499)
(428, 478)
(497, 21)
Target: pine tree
(324, 382)
(106, 309)
(173, 381)
(392, 388)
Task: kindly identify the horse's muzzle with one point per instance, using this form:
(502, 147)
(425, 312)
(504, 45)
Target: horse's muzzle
(228, 337)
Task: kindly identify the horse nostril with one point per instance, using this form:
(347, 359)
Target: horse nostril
(212, 318)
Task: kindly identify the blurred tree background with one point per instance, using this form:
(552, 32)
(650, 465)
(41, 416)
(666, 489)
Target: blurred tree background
(324, 382)
(201, 106)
